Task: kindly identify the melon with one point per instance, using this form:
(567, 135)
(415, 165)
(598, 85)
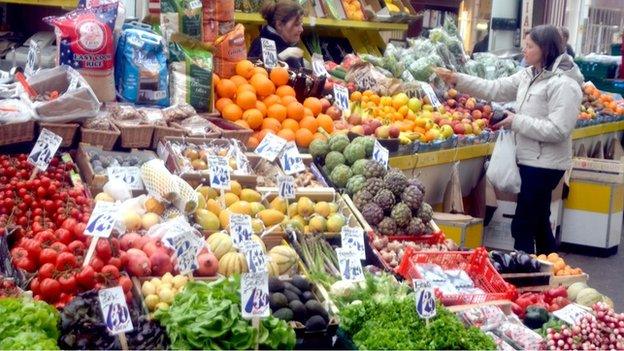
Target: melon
(588, 297)
(220, 243)
(284, 256)
(232, 263)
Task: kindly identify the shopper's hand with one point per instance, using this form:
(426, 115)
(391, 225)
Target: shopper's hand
(448, 76)
(505, 123)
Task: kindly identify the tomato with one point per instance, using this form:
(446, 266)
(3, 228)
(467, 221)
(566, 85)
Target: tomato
(48, 255)
(123, 256)
(46, 237)
(69, 224)
(33, 247)
(126, 283)
(59, 247)
(78, 230)
(26, 264)
(50, 289)
(68, 283)
(103, 250)
(34, 285)
(64, 235)
(96, 263)
(76, 247)
(47, 270)
(65, 261)
(115, 261)
(41, 192)
(86, 277)
(110, 271)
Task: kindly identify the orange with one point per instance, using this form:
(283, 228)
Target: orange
(242, 123)
(356, 96)
(313, 104)
(226, 88)
(245, 68)
(290, 124)
(309, 123)
(252, 143)
(325, 122)
(303, 137)
(253, 117)
(295, 111)
(320, 136)
(287, 134)
(260, 70)
(238, 80)
(222, 102)
(246, 100)
(277, 111)
(272, 99)
(256, 78)
(286, 100)
(245, 87)
(264, 86)
(307, 112)
(215, 79)
(285, 90)
(232, 112)
(271, 123)
(279, 76)
(262, 107)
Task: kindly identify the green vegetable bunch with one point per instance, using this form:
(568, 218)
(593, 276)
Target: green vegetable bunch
(208, 316)
(26, 324)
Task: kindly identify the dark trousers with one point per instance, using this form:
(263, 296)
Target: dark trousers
(530, 226)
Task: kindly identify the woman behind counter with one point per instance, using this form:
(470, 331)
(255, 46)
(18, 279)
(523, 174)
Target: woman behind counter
(284, 26)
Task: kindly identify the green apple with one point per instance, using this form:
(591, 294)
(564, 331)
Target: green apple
(446, 131)
(414, 104)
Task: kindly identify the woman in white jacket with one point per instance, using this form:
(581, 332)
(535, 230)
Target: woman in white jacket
(548, 95)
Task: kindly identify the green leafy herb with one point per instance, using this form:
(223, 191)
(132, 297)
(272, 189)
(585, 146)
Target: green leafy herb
(27, 324)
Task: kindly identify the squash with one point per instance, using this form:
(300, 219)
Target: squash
(259, 241)
(270, 217)
(588, 297)
(220, 243)
(284, 256)
(273, 269)
(574, 289)
(233, 263)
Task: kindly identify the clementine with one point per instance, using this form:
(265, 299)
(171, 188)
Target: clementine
(226, 88)
(244, 68)
(277, 111)
(295, 111)
(253, 117)
(303, 137)
(246, 100)
(279, 76)
(313, 104)
(232, 112)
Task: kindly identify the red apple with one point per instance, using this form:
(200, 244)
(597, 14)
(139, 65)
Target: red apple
(325, 104)
(476, 114)
(355, 119)
(459, 128)
(368, 129)
(334, 112)
(394, 132)
(382, 132)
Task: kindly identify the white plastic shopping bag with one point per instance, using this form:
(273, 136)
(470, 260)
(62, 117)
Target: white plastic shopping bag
(503, 171)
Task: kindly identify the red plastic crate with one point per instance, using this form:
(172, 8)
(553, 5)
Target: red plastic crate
(430, 239)
(475, 263)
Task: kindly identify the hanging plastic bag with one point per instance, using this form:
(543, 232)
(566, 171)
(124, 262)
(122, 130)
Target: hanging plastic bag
(503, 171)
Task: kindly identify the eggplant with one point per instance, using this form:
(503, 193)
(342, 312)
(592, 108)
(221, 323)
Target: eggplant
(536, 265)
(497, 256)
(497, 266)
(509, 265)
(524, 263)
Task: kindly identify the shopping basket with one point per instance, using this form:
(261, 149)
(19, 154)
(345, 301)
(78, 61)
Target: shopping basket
(475, 263)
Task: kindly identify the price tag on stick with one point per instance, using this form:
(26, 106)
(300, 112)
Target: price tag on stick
(350, 265)
(352, 238)
(269, 52)
(380, 153)
(219, 172)
(44, 149)
(270, 147)
(290, 158)
(433, 98)
(255, 295)
(256, 259)
(341, 96)
(115, 313)
(240, 229)
(286, 185)
(32, 59)
(129, 175)
(186, 246)
(425, 299)
(572, 313)
(100, 224)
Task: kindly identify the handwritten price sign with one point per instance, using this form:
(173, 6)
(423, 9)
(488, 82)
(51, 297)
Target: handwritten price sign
(353, 239)
(219, 172)
(341, 95)
(129, 175)
(44, 149)
(269, 52)
(187, 246)
(102, 220)
(270, 147)
(350, 265)
(425, 299)
(256, 259)
(286, 185)
(115, 310)
(290, 159)
(255, 295)
(240, 229)
(380, 154)
(433, 98)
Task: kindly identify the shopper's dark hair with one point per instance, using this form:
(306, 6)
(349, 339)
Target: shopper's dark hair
(565, 34)
(549, 40)
(280, 11)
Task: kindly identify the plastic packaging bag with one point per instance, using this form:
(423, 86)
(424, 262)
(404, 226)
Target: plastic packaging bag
(14, 111)
(422, 69)
(181, 16)
(191, 73)
(503, 170)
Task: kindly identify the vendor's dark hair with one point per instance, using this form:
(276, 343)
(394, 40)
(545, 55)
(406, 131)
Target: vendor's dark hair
(549, 40)
(280, 11)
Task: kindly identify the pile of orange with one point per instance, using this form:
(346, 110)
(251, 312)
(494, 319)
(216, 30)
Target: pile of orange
(559, 265)
(262, 101)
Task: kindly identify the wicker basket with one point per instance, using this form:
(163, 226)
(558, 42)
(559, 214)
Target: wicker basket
(164, 131)
(13, 133)
(104, 138)
(137, 136)
(214, 134)
(67, 131)
(229, 129)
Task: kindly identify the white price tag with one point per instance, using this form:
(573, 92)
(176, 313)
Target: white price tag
(433, 98)
(129, 175)
(102, 220)
(572, 313)
(290, 158)
(186, 246)
(256, 259)
(194, 5)
(255, 295)
(115, 311)
(44, 149)
(269, 52)
(424, 298)
(270, 147)
(219, 172)
(412, 91)
(242, 162)
(286, 185)
(32, 59)
(341, 97)
(318, 65)
(380, 154)
(350, 265)
(352, 238)
(240, 229)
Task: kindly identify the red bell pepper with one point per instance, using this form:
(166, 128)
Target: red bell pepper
(556, 292)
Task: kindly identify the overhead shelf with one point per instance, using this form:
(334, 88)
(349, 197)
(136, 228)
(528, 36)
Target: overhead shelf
(255, 18)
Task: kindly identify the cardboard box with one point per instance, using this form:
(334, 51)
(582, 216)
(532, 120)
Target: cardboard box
(608, 171)
(466, 231)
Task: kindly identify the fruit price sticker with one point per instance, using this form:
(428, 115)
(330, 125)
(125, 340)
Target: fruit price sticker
(412, 91)
(425, 298)
(572, 313)
(129, 175)
(380, 153)
(352, 238)
(102, 220)
(269, 52)
(270, 147)
(32, 59)
(240, 228)
(115, 310)
(255, 295)
(186, 246)
(433, 98)
(219, 172)
(290, 158)
(318, 65)
(44, 149)
(350, 265)
(341, 97)
(256, 259)
(286, 186)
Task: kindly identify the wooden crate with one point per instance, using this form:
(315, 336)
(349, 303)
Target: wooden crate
(538, 281)
(567, 280)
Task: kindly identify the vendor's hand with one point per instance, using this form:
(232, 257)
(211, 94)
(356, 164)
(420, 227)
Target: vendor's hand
(505, 123)
(448, 76)
(290, 52)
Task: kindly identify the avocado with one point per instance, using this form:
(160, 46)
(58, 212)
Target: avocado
(316, 323)
(284, 314)
(291, 296)
(301, 283)
(308, 295)
(278, 300)
(315, 307)
(275, 285)
(289, 286)
(299, 310)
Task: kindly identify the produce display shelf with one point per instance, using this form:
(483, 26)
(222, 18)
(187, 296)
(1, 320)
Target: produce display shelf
(255, 18)
(591, 131)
